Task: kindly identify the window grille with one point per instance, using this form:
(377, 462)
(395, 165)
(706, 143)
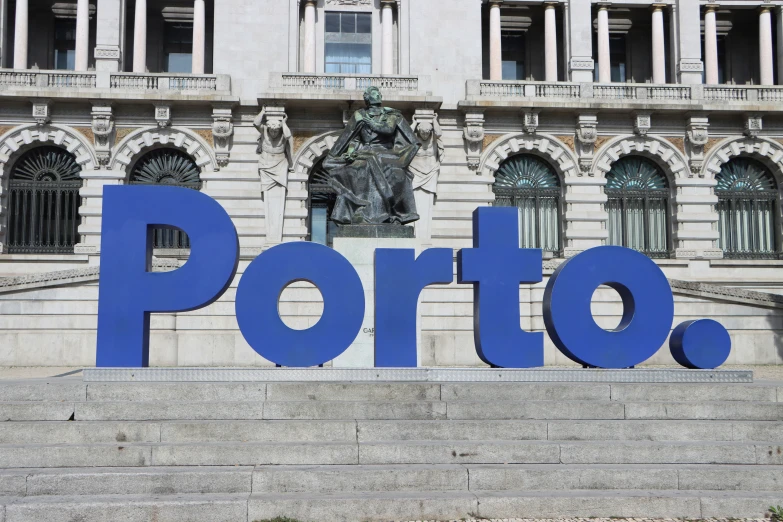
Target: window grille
(43, 202)
(747, 202)
(532, 185)
(167, 167)
(638, 204)
(320, 201)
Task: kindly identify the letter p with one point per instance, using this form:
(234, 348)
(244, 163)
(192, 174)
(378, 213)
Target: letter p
(129, 290)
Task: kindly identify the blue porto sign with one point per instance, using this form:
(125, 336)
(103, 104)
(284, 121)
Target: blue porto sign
(495, 266)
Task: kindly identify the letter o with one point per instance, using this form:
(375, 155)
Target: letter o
(648, 307)
(259, 291)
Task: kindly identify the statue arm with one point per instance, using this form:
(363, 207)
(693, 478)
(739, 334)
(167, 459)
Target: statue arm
(258, 122)
(349, 133)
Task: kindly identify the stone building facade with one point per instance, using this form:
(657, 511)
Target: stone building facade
(654, 125)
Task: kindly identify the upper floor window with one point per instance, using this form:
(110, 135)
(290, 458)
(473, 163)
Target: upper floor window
(513, 54)
(638, 201)
(532, 185)
(64, 43)
(43, 202)
(178, 47)
(348, 43)
(167, 167)
(747, 199)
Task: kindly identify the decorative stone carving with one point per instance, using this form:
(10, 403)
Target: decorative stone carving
(102, 130)
(586, 137)
(766, 150)
(662, 150)
(753, 125)
(275, 161)
(558, 154)
(582, 64)
(138, 140)
(42, 111)
(690, 65)
(222, 130)
(163, 115)
(696, 138)
(642, 123)
(530, 121)
(474, 137)
(107, 52)
(425, 168)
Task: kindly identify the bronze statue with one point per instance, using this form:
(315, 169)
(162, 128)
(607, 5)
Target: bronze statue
(368, 166)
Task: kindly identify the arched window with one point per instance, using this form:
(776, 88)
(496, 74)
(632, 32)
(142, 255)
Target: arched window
(747, 198)
(320, 201)
(638, 203)
(43, 202)
(167, 167)
(532, 185)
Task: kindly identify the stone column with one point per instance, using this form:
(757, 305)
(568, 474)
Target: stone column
(309, 37)
(710, 45)
(20, 35)
(658, 47)
(199, 36)
(578, 39)
(495, 51)
(387, 45)
(779, 28)
(604, 64)
(140, 37)
(765, 46)
(82, 34)
(550, 27)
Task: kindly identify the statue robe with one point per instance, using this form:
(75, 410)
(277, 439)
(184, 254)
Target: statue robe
(367, 168)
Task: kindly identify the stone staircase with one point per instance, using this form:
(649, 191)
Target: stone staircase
(82, 452)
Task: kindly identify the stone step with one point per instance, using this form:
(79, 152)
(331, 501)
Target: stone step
(86, 432)
(396, 452)
(382, 478)
(509, 504)
(128, 508)
(501, 477)
(46, 390)
(385, 410)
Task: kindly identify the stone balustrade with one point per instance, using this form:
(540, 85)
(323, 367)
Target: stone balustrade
(509, 91)
(69, 81)
(333, 83)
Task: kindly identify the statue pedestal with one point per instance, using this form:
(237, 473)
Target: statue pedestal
(384, 231)
(360, 251)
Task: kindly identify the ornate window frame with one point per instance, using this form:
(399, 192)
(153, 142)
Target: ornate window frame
(140, 141)
(17, 141)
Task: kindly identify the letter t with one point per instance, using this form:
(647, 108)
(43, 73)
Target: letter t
(496, 266)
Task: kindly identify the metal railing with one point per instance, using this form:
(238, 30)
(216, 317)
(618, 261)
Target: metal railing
(43, 216)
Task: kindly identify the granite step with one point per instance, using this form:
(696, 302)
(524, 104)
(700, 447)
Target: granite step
(394, 452)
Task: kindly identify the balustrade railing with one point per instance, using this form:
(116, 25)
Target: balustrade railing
(121, 81)
(642, 92)
(303, 82)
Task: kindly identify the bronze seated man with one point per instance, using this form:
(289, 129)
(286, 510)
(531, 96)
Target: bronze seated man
(368, 166)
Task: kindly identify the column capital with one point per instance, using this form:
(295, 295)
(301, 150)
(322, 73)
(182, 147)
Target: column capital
(495, 3)
(604, 6)
(711, 7)
(308, 3)
(765, 8)
(551, 4)
(388, 3)
(658, 7)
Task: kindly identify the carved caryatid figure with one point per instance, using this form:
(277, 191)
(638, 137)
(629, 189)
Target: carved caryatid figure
(425, 168)
(275, 149)
(368, 166)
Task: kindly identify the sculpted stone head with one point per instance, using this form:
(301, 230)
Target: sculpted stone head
(424, 130)
(274, 127)
(372, 96)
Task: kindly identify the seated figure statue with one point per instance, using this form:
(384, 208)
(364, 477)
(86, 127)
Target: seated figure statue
(368, 166)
